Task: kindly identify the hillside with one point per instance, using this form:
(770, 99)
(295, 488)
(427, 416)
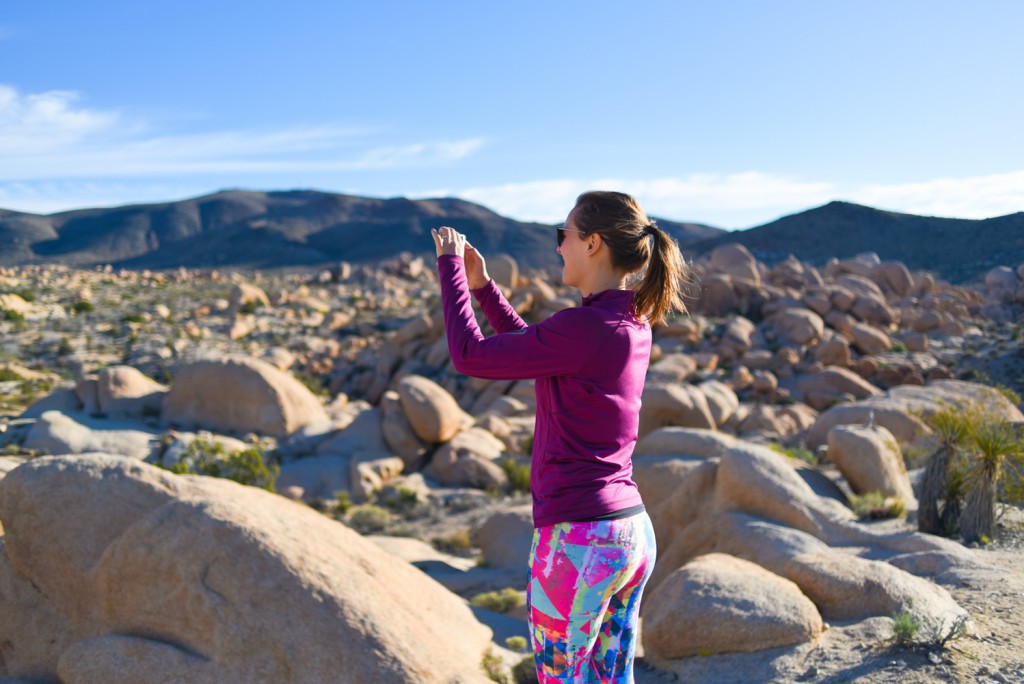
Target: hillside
(956, 249)
(273, 229)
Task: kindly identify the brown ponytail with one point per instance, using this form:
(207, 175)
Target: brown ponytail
(636, 244)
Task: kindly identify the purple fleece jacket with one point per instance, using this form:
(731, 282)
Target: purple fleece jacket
(589, 364)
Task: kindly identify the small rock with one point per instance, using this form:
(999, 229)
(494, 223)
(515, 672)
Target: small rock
(811, 673)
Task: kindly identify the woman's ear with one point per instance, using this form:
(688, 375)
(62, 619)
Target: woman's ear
(594, 243)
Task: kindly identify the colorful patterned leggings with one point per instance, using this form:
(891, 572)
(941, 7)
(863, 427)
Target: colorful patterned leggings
(586, 579)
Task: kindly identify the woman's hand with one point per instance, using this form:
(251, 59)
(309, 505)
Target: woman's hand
(449, 241)
(476, 268)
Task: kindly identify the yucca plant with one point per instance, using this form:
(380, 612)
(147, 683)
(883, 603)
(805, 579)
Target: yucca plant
(950, 426)
(953, 498)
(994, 442)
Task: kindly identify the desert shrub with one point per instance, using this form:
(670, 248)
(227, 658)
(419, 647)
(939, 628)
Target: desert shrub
(25, 293)
(342, 502)
(7, 375)
(904, 628)
(402, 500)
(65, 348)
(134, 318)
(250, 306)
(518, 474)
(14, 316)
(877, 506)
(458, 543)
(995, 448)
(798, 453)
(247, 466)
(525, 671)
(499, 601)
(936, 507)
(369, 519)
(313, 383)
(1010, 395)
(938, 634)
(82, 306)
(516, 643)
(494, 667)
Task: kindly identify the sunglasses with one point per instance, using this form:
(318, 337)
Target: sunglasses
(560, 232)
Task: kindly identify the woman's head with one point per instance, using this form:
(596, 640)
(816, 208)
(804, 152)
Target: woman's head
(635, 243)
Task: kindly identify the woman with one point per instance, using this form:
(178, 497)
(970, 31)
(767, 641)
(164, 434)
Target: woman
(593, 546)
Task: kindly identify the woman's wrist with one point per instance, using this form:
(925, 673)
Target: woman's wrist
(477, 284)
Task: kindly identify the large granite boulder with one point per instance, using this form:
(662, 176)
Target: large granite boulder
(870, 459)
(240, 394)
(900, 409)
(58, 433)
(125, 392)
(432, 412)
(152, 577)
(721, 604)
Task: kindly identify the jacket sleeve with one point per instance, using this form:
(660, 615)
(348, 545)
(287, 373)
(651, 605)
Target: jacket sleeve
(561, 345)
(500, 314)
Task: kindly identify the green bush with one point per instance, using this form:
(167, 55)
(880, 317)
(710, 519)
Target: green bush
(65, 347)
(250, 306)
(14, 316)
(499, 601)
(210, 458)
(82, 306)
(458, 543)
(313, 383)
(343, 502)
(516, 643)
(25, 293)
(7, 375)
(525, 671)
(904, 628)
(518, 474)
(799, 453)
(938, 634)
(494, 667)
(369, 519)
(877, 506)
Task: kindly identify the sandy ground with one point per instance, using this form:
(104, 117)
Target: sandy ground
(993, 595)
(992, 651)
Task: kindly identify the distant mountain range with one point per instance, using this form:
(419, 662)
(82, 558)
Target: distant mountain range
(958, 250)
(244, 229)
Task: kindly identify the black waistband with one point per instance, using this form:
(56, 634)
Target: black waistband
(616, 515)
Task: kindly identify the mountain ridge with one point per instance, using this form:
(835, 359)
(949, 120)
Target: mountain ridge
(267, 229)
(957, 249)
(270, 229)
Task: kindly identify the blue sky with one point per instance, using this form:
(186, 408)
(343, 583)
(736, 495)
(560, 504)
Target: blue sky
(730, 113)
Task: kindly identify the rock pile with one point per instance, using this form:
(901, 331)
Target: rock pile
(347, 382)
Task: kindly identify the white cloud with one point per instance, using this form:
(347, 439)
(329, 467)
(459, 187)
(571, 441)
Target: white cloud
(49, 136)
(546, 201)
(45, 197)
(692, 197)
(974, 197)
(743, 200)
(45, 122)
